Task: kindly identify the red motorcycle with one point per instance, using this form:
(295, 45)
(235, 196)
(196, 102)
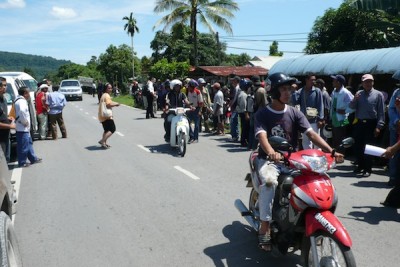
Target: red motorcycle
(304, 206)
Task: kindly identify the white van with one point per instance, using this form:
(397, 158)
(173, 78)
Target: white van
(28, 80)
(13, 85)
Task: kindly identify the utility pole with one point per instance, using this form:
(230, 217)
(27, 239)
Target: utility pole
(219, 49)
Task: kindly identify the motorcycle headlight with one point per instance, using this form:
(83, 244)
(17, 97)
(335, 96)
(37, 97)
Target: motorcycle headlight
(317, 164)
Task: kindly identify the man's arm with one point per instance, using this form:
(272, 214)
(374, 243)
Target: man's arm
(317, 140)
(7, 126)
(267, 148)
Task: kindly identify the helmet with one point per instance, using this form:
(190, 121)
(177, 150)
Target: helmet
(175, 82)
(277, 79)
(193, 83)
(327, 131)
(245, 84)
(201, 80)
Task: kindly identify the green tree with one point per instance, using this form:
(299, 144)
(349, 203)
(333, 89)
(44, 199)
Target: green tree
(131, 28)
(164, 70)
(29, 71)
(176, 46)
(349, 29)
(192, 11)
(236, 60)
(115, 65)
(273, 49)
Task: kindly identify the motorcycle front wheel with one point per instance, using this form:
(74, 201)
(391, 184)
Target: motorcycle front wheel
(181, 144)
(330, 252)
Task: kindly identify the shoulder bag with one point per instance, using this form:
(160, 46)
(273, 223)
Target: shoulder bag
(105, 112)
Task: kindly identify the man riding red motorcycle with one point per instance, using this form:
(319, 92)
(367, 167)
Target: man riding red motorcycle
(278, 119)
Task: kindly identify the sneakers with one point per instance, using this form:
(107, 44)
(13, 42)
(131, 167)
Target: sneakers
(38, 160)
(191, 141)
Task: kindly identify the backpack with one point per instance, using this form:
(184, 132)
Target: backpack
(145, 90)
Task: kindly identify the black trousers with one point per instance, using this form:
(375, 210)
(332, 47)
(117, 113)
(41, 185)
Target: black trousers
(364, 134)
(149, 110)
(244, 129)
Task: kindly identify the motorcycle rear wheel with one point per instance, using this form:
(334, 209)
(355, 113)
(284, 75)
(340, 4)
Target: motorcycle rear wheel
(182, 144)
(331, 253)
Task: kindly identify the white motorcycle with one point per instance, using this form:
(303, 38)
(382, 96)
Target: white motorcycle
(179, 135)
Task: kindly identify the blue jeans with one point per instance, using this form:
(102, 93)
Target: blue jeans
(194, 116)
(25, 148)
(234, 124)
(393, 162)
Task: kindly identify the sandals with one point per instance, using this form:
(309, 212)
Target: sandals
(104, 145)
(264, 242)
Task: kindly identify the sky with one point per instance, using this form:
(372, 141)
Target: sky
(76, 30)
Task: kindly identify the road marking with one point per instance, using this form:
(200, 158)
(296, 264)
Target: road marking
(94, 118)
(144, 148)
(188, 173)
(120, 134)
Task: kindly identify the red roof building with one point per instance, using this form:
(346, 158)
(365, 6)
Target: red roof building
(222, 73)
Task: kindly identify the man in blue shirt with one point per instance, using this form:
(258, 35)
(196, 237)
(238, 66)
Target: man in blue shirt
(311, 104)
(56, 102)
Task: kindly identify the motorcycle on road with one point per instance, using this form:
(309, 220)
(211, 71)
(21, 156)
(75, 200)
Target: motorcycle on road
(304, 206)
(179, 134)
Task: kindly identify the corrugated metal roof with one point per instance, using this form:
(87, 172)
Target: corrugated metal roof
(264, 62)
(240, 71)
(374, 61)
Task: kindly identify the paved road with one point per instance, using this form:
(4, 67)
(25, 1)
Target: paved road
(138, 204)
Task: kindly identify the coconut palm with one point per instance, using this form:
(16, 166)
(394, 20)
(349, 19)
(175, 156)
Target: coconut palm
(131, 28)
(192, 11)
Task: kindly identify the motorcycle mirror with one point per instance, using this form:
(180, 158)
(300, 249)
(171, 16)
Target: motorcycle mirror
(279, 143)
(347, 142)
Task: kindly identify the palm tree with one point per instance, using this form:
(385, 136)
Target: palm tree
(131, 28)
(184, 11)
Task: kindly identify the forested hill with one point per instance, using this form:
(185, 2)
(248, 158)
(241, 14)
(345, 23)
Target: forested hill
(38, 66)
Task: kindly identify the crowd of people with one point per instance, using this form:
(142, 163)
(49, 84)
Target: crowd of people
(48, 109)
(365, 114)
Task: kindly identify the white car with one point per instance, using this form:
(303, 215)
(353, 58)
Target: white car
(72, 89)
(28, 80)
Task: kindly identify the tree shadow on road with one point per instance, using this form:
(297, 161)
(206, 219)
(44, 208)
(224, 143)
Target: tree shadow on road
(374, 215)
(241, 250)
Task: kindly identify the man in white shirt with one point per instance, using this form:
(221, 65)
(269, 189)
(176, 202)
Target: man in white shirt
(218, 104)
(23, 126)
(150, 97)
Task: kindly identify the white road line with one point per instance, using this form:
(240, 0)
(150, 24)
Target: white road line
(120, 134)
(144, 148)
(188, 173)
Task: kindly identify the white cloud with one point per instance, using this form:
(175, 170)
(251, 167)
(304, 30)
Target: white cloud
(13, 4)
(63, 13)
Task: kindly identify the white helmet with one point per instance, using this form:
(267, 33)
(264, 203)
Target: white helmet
(327, 131)
(175, 82)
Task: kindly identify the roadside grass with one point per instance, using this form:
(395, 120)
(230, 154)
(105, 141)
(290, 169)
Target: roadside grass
(125, 99)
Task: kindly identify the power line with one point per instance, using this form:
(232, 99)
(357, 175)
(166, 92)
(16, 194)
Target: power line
(264, 35)
(282, 41)
(263, 50)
